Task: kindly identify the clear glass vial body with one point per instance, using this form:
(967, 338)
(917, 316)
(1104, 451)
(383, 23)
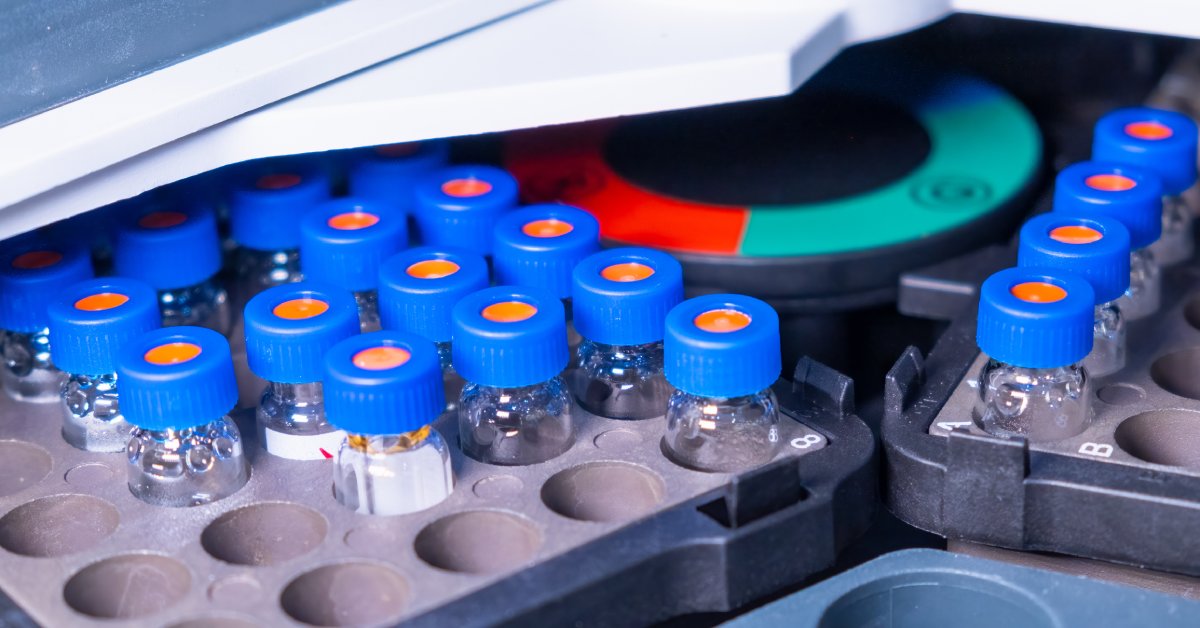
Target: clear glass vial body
(368, 310)
(722, 434)
(92, 418)
(291, 422)
(393, 474)
(1039, 404)
(29, 374)
(620, 381)
(205, 305)
(1177, 243)
(258, 270)
(450, 378)
(1108, 345)
(515, 426)
(1145, 286)
(187, 467)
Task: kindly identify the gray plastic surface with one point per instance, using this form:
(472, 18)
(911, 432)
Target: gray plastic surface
(1146, 415)
(54, 52)
(78, 547)
(933, 589)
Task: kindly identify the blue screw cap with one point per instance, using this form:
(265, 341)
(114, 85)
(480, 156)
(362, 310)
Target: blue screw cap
(168, 246)
(290, 327)
(384, 382)
(622, 296)
(1128, 193)
(722, 345)
(32, 274)
(268, 198)
(1093, 247)
(419, 287)
(508, 337)
(1162, 142)
(345, 241)
(92, 319)
(459, 205)
(176, 377)
(540, 245)
(1035, 317)
(390, 173)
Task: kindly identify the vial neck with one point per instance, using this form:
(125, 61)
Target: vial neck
(445, 352)
(368, 309)
(309, 393)
(389, 443)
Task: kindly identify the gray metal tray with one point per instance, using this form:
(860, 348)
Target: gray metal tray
(79, 548)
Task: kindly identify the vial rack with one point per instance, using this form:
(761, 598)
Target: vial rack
(1126, 490)
(610, 532)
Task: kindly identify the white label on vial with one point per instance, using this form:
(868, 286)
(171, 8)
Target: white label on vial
(1100, 450)
(302, 447)
(806, 441)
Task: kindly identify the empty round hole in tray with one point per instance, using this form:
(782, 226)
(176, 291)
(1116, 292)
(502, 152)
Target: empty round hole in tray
(498, 487)
(216, 622)
(58, 525)
(617, 440)
(1176, 372)
(124, 587)
(1121, 394)
(1191, 312)
(238, 591)
(346, 594)
(479, 541)
(264, 534)
(603, 491)
(935, 599)
(21, 465)
(89, 474)
(1170, 437)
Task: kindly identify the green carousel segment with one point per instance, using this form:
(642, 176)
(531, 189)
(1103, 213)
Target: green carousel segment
(984, 149)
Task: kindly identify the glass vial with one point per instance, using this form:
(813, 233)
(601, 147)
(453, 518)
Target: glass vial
(91, 321)
(417, 290)
(343, 243)
(1097, 249)
(1132, 196)
(539, 246)
(621, 299)
(1036, 327)
(385, 390)
(289, 329)
(515, 410)
(1165, 144)
(176, 250)
(32, 274)
(722, 356)
(266, 201)
(177, 386)
(458, 206)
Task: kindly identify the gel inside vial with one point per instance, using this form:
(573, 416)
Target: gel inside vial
(622, 297)
(722, 356)
(92, 320)
(385, 390)
(289, 329)
(1036, 328)
(177, 387)
(516, 411)
(31, 276)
